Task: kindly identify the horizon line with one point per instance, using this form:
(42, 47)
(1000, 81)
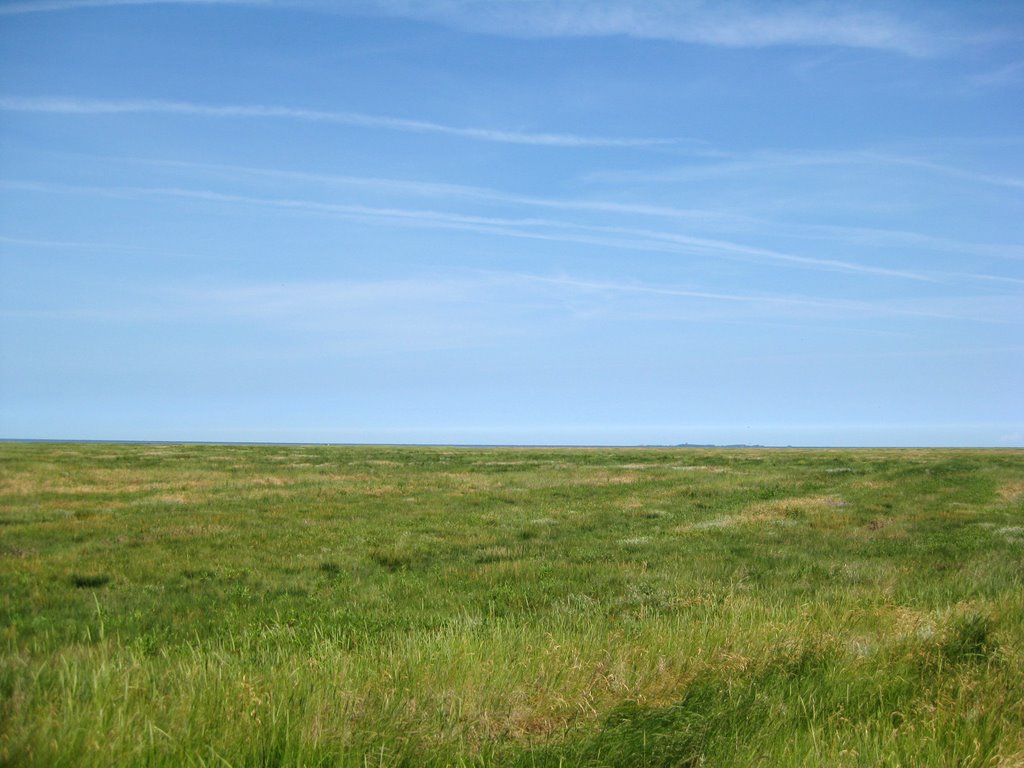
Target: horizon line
(388, 444)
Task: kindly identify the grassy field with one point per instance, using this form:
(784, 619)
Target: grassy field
(269, 605)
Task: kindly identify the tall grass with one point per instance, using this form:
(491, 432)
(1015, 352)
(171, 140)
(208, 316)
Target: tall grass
(272, 606)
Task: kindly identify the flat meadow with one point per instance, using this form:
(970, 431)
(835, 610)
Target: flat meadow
(253, 605)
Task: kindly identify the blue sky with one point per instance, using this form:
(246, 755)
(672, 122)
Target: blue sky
(518, 221)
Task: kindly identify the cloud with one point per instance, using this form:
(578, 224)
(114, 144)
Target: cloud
(735, 24)
(48, 6)
(707, 217)
(304, 297)
(763, 300)
(998, 180)
(605, 234)
(628, 238)
(494, 294)
(463, 191)
(451, 309)
(723, 23)
(1007, 76)
(782, 160)
(890, 238)
(8, 243)
(76, 106)
(978, 309)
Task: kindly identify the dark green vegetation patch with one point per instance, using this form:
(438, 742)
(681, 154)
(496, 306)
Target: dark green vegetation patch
(263, 605)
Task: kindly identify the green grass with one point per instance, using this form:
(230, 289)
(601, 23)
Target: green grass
(279, 606)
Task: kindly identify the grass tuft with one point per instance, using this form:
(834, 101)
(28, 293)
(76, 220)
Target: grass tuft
(82, 581)
(330, 568)
(969, 638)
(394, 558)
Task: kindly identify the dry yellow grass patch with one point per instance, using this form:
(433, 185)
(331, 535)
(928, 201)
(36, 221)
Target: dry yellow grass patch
(521, 724)
(616, 478)
(767, 512)
(472, 481)
(904, 621)
(102, 481)
(270, 480)
(876, 484)
(175, 498)
(798, 504)
(1011, 761)
(1012, 491)
(517, 463)
(495, 553)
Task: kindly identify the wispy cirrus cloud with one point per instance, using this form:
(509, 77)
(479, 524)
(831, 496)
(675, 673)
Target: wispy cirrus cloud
(708, 217)
(979, 177)
(83, 107)
(534, 228)
(449, 299)
(366, 302)
(768, 161)
(434, 189)
(889, 238)
(50, 6)
(974, 308)
(735, 24)
(1008, 75)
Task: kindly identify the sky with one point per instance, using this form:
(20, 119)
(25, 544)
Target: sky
(513, 221)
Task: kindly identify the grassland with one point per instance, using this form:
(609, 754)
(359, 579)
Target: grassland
(337, 606)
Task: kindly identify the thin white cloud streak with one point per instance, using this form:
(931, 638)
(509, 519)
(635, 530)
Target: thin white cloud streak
(975, 309)
(722, 219)
(606, 236)
(85, 107)
(446, 190)
(50, 6)
(764, 161)
(1007, 76)
(723, 246)
(735, 24)
(358, 299)
(35, 243)
(775, 161)
(325, 306)
(874, 237)
(78, 245)
(983, 278)
(659, 290)
(507, 289)
(318, 318)
(901, 354)
(960, 173)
